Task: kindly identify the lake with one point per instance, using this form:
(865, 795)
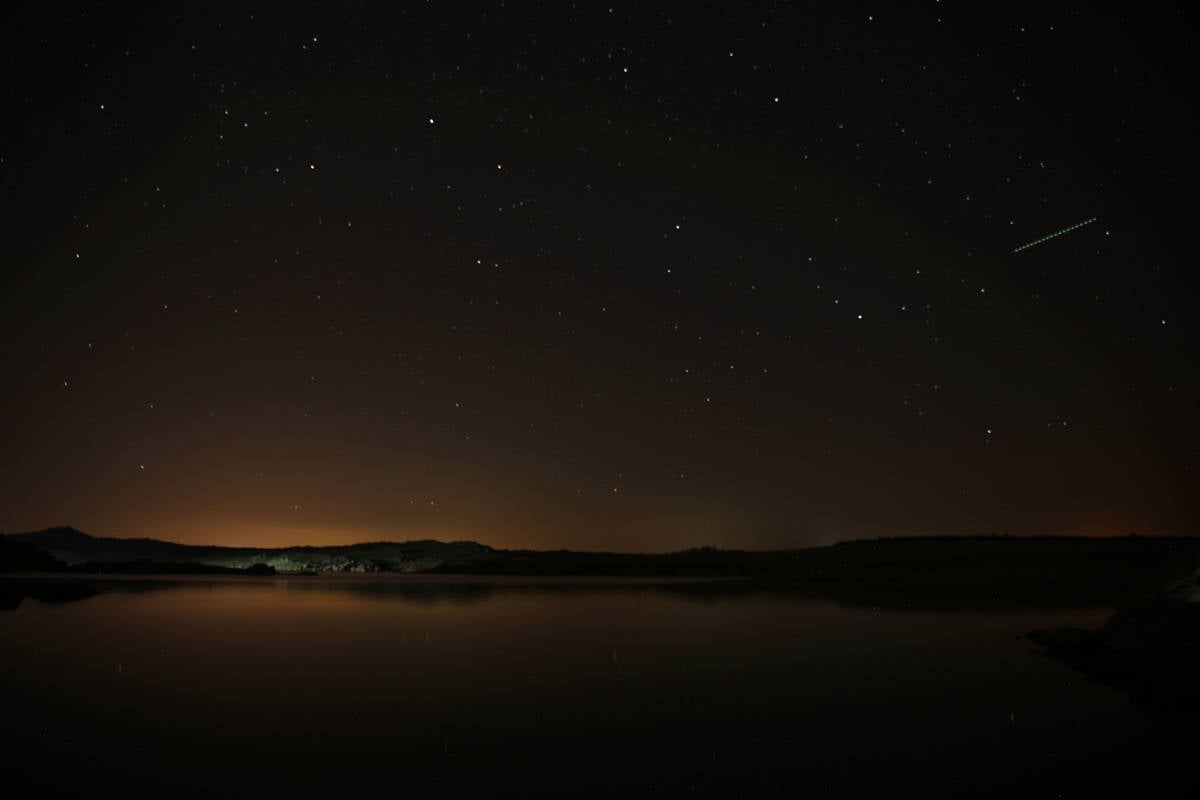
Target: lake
(310, 686)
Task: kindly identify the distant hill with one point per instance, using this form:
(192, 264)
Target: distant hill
(163, 568)
(911, 572)
(917, 572)
(75, 547)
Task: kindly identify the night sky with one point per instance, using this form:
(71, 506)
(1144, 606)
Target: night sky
(597, 275)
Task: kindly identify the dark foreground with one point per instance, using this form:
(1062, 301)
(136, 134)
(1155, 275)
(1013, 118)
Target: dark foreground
(432, 685)
(864, 669)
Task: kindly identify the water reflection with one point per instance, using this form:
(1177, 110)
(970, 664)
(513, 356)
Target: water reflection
(507, 687)
(13, 591)
(465, 589)
(418, 589)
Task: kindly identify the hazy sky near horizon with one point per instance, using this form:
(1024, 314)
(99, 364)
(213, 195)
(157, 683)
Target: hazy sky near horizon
(597, 275)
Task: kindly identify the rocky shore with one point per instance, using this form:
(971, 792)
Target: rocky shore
(1152, 649)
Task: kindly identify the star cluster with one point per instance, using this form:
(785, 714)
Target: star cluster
(596, 275)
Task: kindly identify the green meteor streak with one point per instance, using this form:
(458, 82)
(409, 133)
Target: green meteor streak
(1056, 233)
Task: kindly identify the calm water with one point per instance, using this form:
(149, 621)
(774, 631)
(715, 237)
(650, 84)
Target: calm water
(313, 687)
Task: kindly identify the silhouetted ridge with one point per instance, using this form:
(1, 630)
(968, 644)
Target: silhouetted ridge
(964, 572)
(165, 568)
(75, 547)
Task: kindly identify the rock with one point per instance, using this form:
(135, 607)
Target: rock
(1186, 590)
(1152, 650)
